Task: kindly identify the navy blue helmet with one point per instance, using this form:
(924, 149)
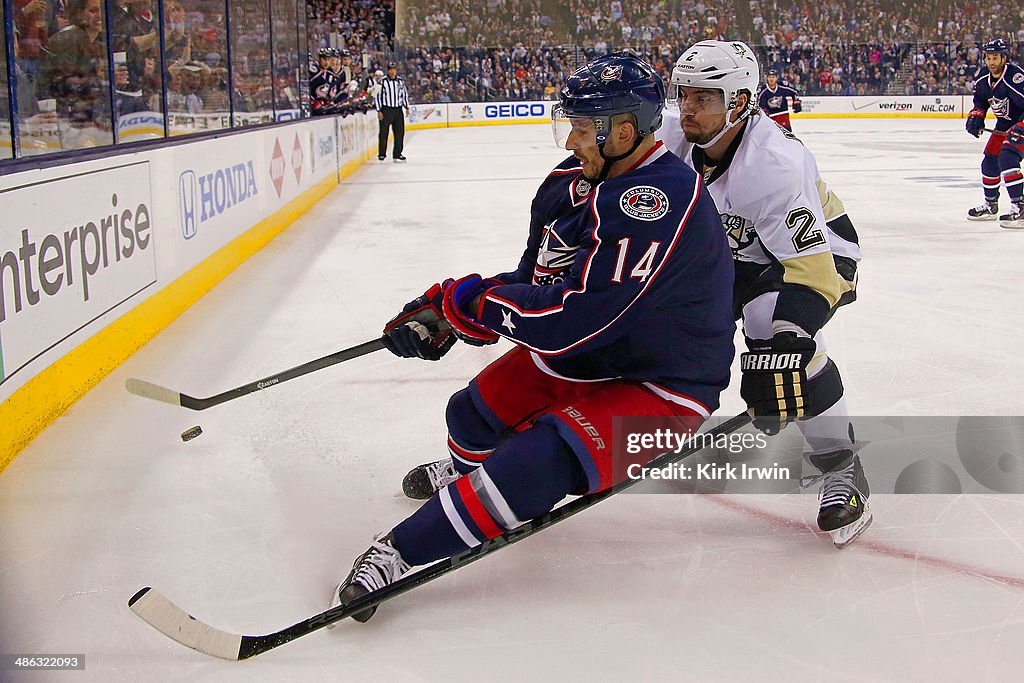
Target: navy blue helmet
(618, 83)
(997, 45)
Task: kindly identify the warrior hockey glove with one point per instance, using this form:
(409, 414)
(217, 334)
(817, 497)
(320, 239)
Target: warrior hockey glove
(420, 330)
(975, 122)
(457, 298)
(775, 379)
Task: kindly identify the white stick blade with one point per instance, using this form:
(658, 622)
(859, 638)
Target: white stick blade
(141, 387)
(179, 625)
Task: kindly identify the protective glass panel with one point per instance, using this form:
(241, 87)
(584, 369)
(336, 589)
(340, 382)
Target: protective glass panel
(287, 20)
(250, 62)
(6, 148)
(135, 39)
(61, 77)
(197, 95)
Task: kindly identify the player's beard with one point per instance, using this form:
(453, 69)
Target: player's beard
(698, 137)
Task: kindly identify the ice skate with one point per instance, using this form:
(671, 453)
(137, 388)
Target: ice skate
(843, 510)
(379, 566)
(424, 481)
(1015, 219)
(988, 211)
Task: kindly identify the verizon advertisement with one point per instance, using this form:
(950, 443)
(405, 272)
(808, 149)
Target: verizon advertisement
(64, 264)
(884, 106)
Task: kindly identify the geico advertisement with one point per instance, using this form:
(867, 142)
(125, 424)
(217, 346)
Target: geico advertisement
(71, 249)
(499, 112)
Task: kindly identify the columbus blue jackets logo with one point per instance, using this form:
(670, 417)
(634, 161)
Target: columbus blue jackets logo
(612, 73)
(775, 102)
(1000, 106)
(644, 202)
(1018, 78)
(554, 258)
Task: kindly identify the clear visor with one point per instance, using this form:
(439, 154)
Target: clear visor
(572, 132)
(697, 100)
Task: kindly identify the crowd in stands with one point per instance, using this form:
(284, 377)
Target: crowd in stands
(62, 70)
(465, 50)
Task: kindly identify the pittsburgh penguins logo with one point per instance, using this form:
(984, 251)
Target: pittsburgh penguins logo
(740, 235)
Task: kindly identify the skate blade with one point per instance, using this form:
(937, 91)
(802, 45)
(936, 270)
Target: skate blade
(335, 601)
(990, 217)
(846, 535)
(1012, 225)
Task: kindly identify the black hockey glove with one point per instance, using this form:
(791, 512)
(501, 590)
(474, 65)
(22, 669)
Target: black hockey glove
(975, 122)
(797, 106)
(775, 379)
(420, 330)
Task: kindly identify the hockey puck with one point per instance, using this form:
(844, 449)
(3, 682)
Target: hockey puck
(192, 433)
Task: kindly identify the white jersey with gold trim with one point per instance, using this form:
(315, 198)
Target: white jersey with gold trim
(773, 203)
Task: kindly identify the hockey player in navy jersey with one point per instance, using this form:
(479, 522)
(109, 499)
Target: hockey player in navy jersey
(999, 87)
(620, 306)
(796, 255)
(774, 100)
(322, 83)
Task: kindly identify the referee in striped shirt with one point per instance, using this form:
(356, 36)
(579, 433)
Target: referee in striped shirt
(391, 102)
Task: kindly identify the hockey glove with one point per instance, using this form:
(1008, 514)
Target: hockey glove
(1015, 136)
(420, 330)
(458, 296)
(975, 122)
(797, 106)
(775, 380)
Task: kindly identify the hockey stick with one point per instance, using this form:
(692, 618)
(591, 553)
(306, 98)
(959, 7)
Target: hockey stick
(156, 392)
(175, 623)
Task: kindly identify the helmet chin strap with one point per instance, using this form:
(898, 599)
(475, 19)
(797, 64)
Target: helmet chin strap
(610, 160)
(726, 128)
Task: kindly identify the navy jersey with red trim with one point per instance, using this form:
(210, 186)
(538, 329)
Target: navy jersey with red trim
(1003, 95)
(775, 101)
(628, 279)
(322, 85)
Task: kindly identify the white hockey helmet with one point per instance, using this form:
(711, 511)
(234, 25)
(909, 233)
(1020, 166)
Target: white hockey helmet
(726, 65)
(729, 66)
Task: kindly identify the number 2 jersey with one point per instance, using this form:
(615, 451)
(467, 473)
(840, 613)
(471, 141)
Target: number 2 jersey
(788, 232)
(627, 279)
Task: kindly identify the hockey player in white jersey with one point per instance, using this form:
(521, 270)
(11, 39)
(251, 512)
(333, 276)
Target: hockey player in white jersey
(796, 255)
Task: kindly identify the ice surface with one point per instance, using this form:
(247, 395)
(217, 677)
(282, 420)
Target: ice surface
(250, 526)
